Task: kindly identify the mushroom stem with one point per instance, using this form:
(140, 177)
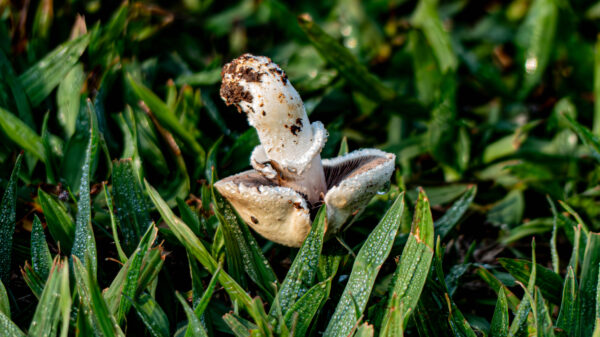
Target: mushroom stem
(290, 146)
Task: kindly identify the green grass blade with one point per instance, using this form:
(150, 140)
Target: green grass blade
(452, 216)
(302, 273)
(41, 78)
(84, 242)
(542, 315)
(568, 316)
(113, 224)
(536, 39)
(8, 215)
(586, 136)
(500, 320)
(167, 118)
(152, 315)
(233, 252)
(130, 204)
(22, 135)
(127, 280)
(210, 289)
(68, 99)
(8, 76)
(41, 260)
(549, 282)
(365, 330)
(59, 222)
(187, 238)
(346, 63)
(364, 271)
(33, 280)
(300, 315)
(76, 147)
(596, 127)
(588, 285)
(4, 302)
(436, 313)
(194, 326)
(205, 77)
(239, 326)
(91, 298)
(427, 19)
(411, 273)
(130, 285)
(48, 313)
(65, 302)
(8, 328)
(152, 265)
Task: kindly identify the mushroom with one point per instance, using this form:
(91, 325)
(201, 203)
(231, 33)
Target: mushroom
(289, 181)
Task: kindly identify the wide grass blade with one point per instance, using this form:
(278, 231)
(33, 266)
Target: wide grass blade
(22, 135)
(588, 286)
(411, 273)
(94, 306)
(536, 39)
(194, 326)
(152, 315)
(427, 19)
(4, 302)
(302, 273)
(84, 242)
(206, 296)
(8, 328)
(68, 99)
(41, 260)
(364, 271)
(126, 282)
(130, 204)
(549, 282)
(568, 316)
(300, 315)
(8, 214)
(448, 221)
(586, 136)
(239, 326)
(59, 222)
(49, 309)
(41, 78)
(33, 280)
(8, 77)
(500, 320)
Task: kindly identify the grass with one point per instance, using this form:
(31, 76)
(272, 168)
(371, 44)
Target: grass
(113, 132)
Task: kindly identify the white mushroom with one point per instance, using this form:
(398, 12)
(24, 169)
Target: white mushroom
(289, 181)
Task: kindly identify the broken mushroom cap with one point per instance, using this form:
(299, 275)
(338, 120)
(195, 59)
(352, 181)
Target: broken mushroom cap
(279, 214)
(282, 215)
(353, 180)
(290, 146)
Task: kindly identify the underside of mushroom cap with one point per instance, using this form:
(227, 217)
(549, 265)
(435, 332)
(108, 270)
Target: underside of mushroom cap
(352, 181)
(279, 214)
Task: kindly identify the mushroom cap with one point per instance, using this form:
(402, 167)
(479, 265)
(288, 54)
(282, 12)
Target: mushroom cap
(279, 214)
(352, 181)
(260, 88)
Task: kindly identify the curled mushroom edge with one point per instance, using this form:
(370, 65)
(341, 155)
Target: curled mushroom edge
(289, 181)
